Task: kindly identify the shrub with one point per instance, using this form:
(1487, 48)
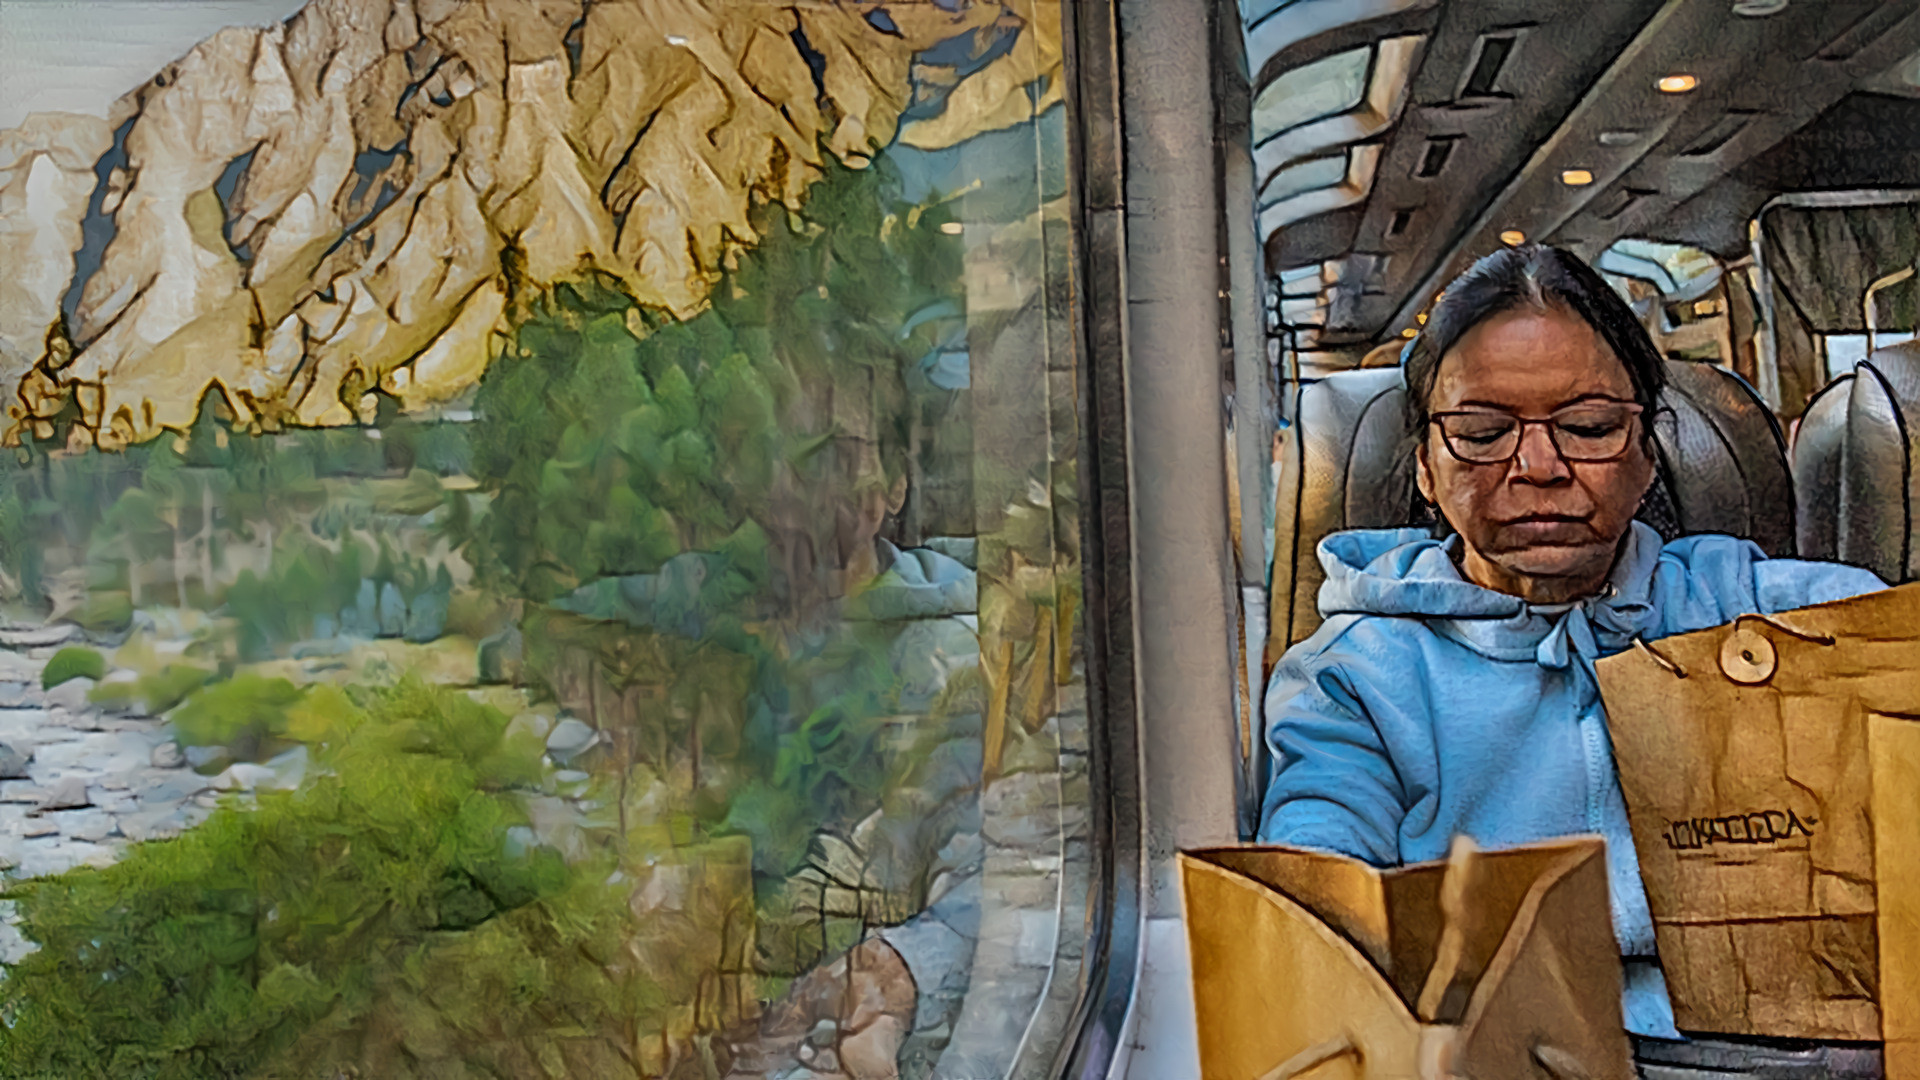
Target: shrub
(105, 612)
(74, 662)
(157, 692)
(311, 590)
(387, 916)
(306, 578)
(246, 714)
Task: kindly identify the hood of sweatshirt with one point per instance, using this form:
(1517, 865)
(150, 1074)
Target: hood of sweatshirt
(1409, 573)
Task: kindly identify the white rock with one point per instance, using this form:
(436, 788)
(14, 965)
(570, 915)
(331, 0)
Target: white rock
(570, 739)
(79, 719)
(288, 768)
(536, 724)
(244, 775)
(68, 793)
(14, 761)
(38, 637)
(91, 826)
(19, 791)
(71, 695)
(825, 1032)
(203, 756)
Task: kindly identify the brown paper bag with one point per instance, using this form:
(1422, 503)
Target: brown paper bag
(1771, 769)
(1491, 965)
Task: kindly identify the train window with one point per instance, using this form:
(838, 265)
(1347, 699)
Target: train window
(1676, 268)
(1322, 88)
(1843, 351)
(1312, 187)
(1494, 50)
(1300, 281)
(1307, 176)
(1434, 159)
(542, 539)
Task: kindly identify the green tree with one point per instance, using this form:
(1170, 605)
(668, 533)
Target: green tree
(613, 443)
(700, 493)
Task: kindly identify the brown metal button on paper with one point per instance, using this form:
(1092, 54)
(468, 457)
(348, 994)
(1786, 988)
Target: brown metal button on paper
(1748, 657)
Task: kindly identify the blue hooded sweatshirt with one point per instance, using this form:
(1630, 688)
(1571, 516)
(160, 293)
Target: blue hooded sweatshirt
(1427, 706)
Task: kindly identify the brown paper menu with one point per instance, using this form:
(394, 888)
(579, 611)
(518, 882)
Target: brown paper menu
(1491, 965)
(1771, 769)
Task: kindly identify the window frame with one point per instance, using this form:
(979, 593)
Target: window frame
(1097, 217)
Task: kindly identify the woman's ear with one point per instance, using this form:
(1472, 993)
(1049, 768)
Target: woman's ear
(1422, 474)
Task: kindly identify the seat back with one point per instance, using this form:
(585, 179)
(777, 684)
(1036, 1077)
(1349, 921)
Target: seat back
(1311, 494)
(1854, 459)
(1346, 464)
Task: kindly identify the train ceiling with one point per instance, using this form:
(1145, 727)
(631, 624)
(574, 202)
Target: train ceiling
(1398, 140)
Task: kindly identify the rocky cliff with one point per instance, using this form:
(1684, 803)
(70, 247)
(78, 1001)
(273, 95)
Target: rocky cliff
(295, 215)
(46, 176)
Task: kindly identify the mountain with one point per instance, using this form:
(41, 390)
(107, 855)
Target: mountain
(292, 216)
(46, 176)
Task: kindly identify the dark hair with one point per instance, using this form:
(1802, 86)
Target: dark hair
(1538, 277)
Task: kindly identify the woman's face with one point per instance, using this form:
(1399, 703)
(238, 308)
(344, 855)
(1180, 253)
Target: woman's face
(1536, 526)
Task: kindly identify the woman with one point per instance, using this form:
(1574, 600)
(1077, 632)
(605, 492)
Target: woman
(1451, 689)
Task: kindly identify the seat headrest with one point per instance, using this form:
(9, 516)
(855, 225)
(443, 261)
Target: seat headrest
(1853, 462)
(1899, 365)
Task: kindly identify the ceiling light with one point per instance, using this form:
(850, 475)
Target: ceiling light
(1421, 318)
(1754, 9)
(1619, 138)
(1513, 237)
(1576, 177)
(1677, 84)
(1409, 332)
(953, 228)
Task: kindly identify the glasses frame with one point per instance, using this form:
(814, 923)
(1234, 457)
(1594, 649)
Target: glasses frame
(1550, 422)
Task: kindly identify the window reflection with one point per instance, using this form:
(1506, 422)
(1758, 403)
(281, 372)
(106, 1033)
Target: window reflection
(1311, 91)
(1306, 176)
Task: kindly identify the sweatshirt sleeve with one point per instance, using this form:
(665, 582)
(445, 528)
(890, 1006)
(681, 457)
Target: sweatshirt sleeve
(1785, 584)
(1333, 786)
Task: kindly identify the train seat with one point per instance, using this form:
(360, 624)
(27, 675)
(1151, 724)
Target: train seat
(1853, 460)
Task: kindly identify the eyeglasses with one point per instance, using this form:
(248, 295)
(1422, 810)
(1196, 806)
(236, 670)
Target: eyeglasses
(1585, 431)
